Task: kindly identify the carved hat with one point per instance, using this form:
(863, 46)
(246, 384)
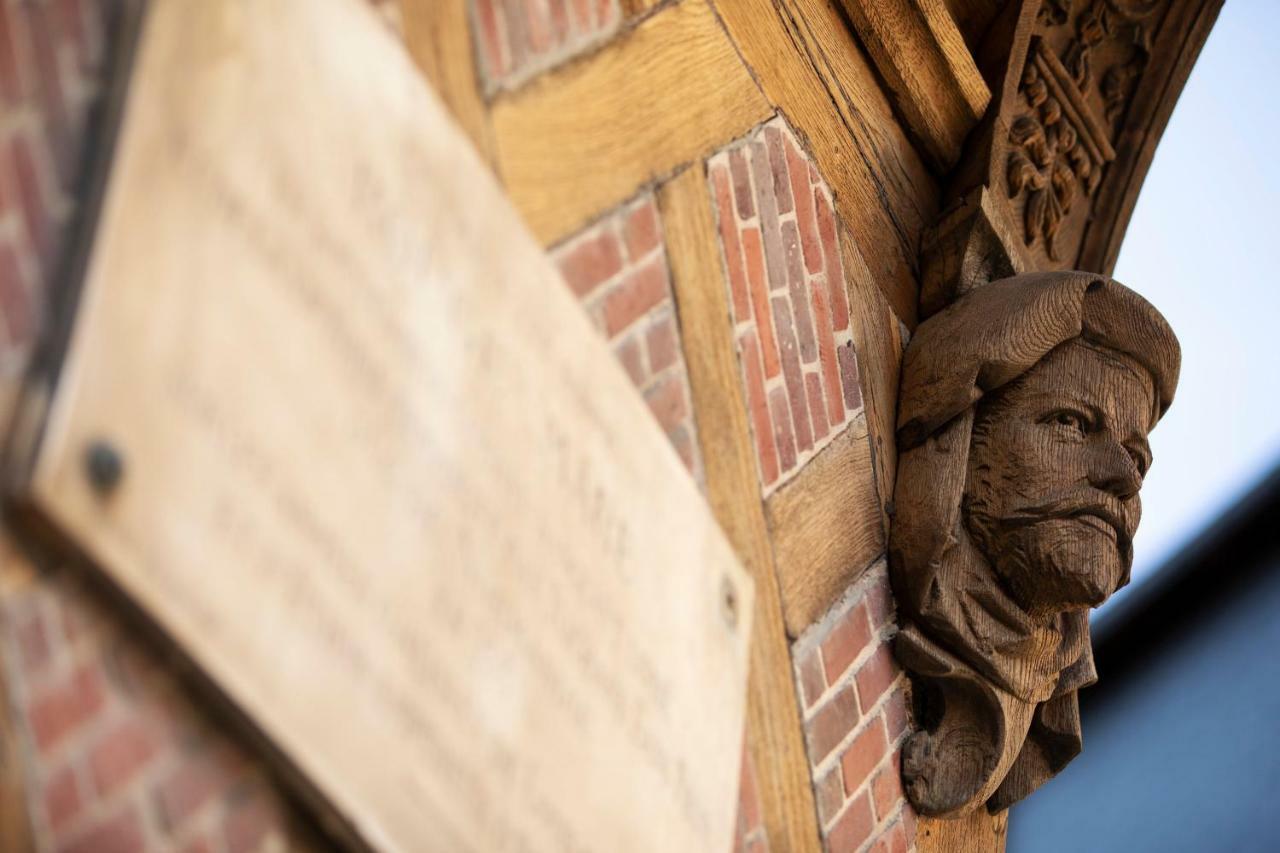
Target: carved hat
(998, 332)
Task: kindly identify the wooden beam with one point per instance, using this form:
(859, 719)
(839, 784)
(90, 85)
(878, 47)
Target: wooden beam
(579, 140)
(438, 36)
(827, 527)
(923, 58)
(774, 729)
(810, 66)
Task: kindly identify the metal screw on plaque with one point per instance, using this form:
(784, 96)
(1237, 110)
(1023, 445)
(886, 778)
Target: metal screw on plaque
(729, 602)
(104, 467)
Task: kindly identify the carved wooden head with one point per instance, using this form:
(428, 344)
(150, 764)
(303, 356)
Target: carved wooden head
(1023, 418)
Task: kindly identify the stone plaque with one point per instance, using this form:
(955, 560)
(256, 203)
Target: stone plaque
(330, 418)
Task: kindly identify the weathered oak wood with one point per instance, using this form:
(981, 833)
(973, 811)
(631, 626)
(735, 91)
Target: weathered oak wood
(975, 833)
(583, 138)
(827, 527)
(923, 57)
(774, 731)
(1022, 427)
(438, 36)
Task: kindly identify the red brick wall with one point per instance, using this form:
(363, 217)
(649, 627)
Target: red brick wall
(786, 284)
(855, 712)
(618, 268)
(519, 38)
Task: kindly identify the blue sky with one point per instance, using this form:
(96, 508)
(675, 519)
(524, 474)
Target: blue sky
(1202, 247)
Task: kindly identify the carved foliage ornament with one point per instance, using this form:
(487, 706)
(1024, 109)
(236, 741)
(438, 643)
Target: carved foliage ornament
(1023, 422)
(1078, 77)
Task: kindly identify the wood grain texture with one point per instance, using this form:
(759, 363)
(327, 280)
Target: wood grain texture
(582, 139)
(977, 833)
(1023, 419)
(438, 36)
(827, 527)
(924, 60)
(774, 732)
(16, 574)
(877, 335)
(810, 66)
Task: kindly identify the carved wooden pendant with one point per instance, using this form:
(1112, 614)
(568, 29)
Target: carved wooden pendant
(1023, 419)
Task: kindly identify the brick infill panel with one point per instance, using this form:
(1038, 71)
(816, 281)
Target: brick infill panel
(855, 715)
(780, 250)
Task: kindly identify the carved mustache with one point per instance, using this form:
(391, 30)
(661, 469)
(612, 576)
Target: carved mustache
(1082, 505)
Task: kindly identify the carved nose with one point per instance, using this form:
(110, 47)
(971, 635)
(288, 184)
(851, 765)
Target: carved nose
(1114, 471)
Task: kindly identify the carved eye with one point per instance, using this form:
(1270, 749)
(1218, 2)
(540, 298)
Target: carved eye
(1069, 420)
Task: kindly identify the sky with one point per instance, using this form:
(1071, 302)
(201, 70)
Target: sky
(1202, 247)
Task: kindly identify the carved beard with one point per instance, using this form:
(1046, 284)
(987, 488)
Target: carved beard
(1050, 565)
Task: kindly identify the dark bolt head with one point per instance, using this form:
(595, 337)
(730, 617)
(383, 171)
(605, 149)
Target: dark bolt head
(729, 602)
(104, 466)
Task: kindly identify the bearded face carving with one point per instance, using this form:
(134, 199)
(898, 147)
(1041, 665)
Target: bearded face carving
(1023, 421)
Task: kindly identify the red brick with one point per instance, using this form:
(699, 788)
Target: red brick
(65, 707)
(581, 10)
(909, 823)
(791, 373)
(853, 828)
(809, 240)
(605, 12)
(120, 832)
(895, 714)
(849, 376)
(61, 798)
(44, 46)
(757, 845)
(829, 792)
(778, 168)
(886, 789)
(667, 401)
(559, 21)
(748, 795)
(835, 719)
(682, 441)
(897, 839)
(812, 684)
(640, 291)
(846, 641)
(537, 26)
(11, 88)
(591, 261)
(251, 821)
(731, 246)
(495, 53)
(661, 340)
(768, 208)
(817, 405)
(783, 437)
(875, 677)
(834, 266)
(628, 353)
(35, 212)
(201, 776)
(30, 630)
(879, 602)
(640, 230)
(799, 297)
(827, 354)
(15, 300)
(760, 300)
(198, 845)
(119, 754)
(741, 183)
(758, 406)
(863, 755)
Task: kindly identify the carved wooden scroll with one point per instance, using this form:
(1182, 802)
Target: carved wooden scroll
(1022, 427)
(1083, 89)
